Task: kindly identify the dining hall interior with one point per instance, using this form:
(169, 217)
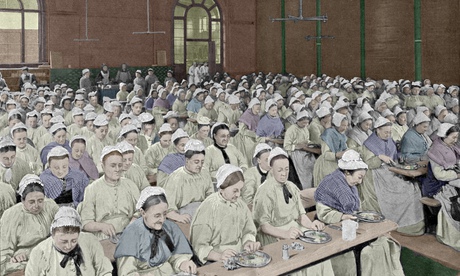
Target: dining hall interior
(251, 123)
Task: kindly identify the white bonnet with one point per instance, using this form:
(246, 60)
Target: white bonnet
(224, 171)
(351, 161)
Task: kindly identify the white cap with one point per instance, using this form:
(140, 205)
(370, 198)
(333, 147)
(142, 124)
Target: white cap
(224, 171)
(90, 116)
(302, 114)
(381, 121)
(66, 216)
(170, 114)
(148, 192)
(197, 91)
(337, 119)
(340, 105)
(261, 147)
(109, 149)
(165, 128)
(57, 126)
(216, 125)
(420, 118)
(108, 107)
(203, 120)
(101, 120)
(57, 119)
(269, 104)
(77, 137)
(364, 116)
(369, 83)
(84, 71)
(125, 147)
(126, 129)
(92, 94)
(145, 117)
(208, 100)
(26, 180)
(33, 113)
(19, 125)
(134, 100)
(293, 100)
(76, 111)
(438, 109)
(253, 102)
(387, 113)
(276, 152)
(398, 110)
(351, 161)
(443, 128)
(123, 116)
(194, 145)
(179, 133)
(57, 152)
(121, 84)
(323, 111)
(232, 99)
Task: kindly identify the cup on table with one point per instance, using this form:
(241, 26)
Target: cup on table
(349, 229)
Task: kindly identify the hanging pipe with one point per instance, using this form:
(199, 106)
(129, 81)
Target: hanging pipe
(318, 41)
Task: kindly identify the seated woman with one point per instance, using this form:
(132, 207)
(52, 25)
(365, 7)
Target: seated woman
(415, 143)
(12, 169)
(131, 170)
(7, 197)
(130, 134)
(80, 160)
(221, 152)
(319, 124)
(442, 181)
(204, 126)
(105, 218)
(63, 184)
(173, 161)
(189, 185)
(361, 131)
(296, 143)
(337, 199)
(25, 225)
(147, 134)
(333, 145)
(68, 251)
(278, 212)
(24, 150)
(270, 125)
(152, 244)
(400, 127)
(256, 175)
(382, 190)
(155, 154)
(59, 133)
(223, 225)
(99, 140)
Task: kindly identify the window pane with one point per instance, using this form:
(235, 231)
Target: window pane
(197, 23)
(186, 2)
(30, 4)
(197, 51)
(208, 3)
(10, 37)
(215, 13)
(9, 4)
(178, 41)
(216, 38)
(178, 28)
(179, 11)
(31, 37)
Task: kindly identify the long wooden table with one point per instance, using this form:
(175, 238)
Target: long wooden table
(311, 254)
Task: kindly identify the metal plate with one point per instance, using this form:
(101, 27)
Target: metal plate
(255, 259)
(370, 216)
(312, 236)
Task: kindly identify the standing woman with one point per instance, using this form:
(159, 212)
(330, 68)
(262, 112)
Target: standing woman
(64, 185)
(25, 224)
(99, 140)
(152, 244)
(223, 225)
(105, 218)
(80, 160)
(59, 133)
(68, 251)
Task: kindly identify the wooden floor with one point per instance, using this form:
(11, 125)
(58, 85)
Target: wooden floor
(428, 246)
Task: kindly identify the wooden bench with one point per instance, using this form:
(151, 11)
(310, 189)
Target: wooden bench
(431, 208)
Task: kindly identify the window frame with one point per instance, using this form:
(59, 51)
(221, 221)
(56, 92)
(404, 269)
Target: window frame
(41, 34)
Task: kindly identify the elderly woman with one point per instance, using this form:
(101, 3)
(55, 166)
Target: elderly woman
(361, 131)
(131, 170)
(79, 158)
(440, 114)
(278, 211)
(204, 126)
(174, 160)
(333, 145)
(24, 150)
(63, 184)
(221, 152)
(415, 143)
(400, 127)
(152, 244)
(383, 191)
(25, 224)
(270, 125)
(130, 134)
(59, 133)
(189, 185)
(68, 250)
(337, 199)
(223, 225)
(442, 182)
(99, 140)
(256, 175)
(155, 154)
(105, 218)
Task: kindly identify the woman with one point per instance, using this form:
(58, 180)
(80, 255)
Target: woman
(337, 200)
(103, 78)
(158, 151)
(189, 185)
(400, 127)
(161, 105)
(80, 160)
(442, 180)
(174, 160)
(153, 244)
(105, 218)
(223, 225)
(204, 126)
(68, 251)
(230, 114)
(221, 152)
(180, 107)
(296, 144)
(130, 169)
(333, 145)
(361, 131)
(278, 212)
(384, 191)
(59, 133)
(256, 175)
(130, 134)
(25, 225)
(63, 184)
(319, 124)
(415, 143)
(208, 110)
(193, 107)
(147, 135)
(270, 125)
(24, 150)
(12, 169)
(99, 140)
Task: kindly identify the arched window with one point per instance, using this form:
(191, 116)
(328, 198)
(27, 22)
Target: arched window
(197, 33)
(21, 23)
